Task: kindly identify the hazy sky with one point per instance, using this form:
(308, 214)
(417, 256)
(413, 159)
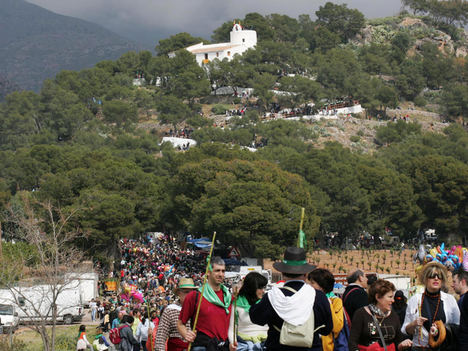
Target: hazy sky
(148, 21)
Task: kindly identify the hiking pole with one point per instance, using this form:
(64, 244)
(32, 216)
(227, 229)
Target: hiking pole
(203, 288)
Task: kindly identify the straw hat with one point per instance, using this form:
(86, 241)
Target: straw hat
(186, 283)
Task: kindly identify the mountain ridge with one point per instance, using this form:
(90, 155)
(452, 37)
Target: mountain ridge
(36, 44)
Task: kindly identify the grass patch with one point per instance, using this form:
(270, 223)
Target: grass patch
(66, 337)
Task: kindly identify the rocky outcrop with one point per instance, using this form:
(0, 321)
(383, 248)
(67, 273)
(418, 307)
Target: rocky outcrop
(383, 33)
(410, 22)
(461, 51)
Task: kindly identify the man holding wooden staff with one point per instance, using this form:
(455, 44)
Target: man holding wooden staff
(211, 326)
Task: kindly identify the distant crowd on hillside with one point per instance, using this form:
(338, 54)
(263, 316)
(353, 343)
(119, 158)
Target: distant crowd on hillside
(180, 133)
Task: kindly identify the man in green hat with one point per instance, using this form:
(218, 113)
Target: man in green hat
(213, 319)
(167, 329)
(295, 303)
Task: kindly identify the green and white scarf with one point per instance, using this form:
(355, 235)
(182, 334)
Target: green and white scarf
(211, 296)
(243, 303)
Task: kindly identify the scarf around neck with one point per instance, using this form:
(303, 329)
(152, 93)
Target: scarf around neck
(211, 296)
(243, 303)
(377, 311)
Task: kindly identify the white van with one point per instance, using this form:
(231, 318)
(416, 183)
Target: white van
(8, 318)
(35, 303)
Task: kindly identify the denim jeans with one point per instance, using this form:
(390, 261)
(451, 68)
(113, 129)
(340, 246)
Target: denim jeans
(243, 345)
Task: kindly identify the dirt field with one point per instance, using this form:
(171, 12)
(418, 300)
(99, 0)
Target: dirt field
(370, 261)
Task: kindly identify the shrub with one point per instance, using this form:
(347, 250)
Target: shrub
(197, 121)
(396, 132)
(220, 109)
(16, 345)
(252, 116)
(65, 343)
(420, 101)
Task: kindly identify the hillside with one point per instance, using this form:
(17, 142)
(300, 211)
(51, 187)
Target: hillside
(6, 87)
(91, 140)
(35, 44)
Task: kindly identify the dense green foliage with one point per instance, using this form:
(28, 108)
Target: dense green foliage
(446, 11)
(76, 142)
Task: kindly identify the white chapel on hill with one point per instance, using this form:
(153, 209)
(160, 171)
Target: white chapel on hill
(240, 41)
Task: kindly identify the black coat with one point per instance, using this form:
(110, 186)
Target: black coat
(354, 297)
(263, 313)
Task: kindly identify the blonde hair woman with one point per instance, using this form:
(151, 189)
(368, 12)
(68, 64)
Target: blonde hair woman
(427, 312)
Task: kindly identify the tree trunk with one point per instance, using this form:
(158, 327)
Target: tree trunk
(54, 323)
(115, 253)
(45, 337)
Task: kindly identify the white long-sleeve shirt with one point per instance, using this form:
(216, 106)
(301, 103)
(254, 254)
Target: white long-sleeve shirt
(452, 316)
(142, 330)
(245, 326)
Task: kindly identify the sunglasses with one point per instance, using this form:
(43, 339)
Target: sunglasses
(434, 275)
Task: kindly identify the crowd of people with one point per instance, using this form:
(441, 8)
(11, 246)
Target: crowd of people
(180, 133)
(237, 112)
(149, 273)
(164, 305)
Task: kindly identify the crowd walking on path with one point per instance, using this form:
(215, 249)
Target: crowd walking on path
(167, 303)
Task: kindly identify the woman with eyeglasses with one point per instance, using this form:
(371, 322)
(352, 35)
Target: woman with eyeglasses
(249, 336)
(430, 314)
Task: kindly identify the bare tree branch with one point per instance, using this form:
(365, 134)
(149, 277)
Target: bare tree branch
(47, 229)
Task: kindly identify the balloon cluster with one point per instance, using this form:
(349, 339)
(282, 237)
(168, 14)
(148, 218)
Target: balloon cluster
(453, 258)
(131, 292)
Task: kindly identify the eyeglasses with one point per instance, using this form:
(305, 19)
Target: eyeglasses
(434, 275)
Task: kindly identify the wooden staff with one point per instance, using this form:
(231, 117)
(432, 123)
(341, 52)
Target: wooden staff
(302, 218)
(234, 329)
(203, 288)
(149, 328)
(299, 239)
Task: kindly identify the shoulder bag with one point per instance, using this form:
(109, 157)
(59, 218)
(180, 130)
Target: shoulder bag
(376, 346)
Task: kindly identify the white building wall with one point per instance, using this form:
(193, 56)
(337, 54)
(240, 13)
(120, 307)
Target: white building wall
(240, 41)
(351, 109)
(243, 37)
